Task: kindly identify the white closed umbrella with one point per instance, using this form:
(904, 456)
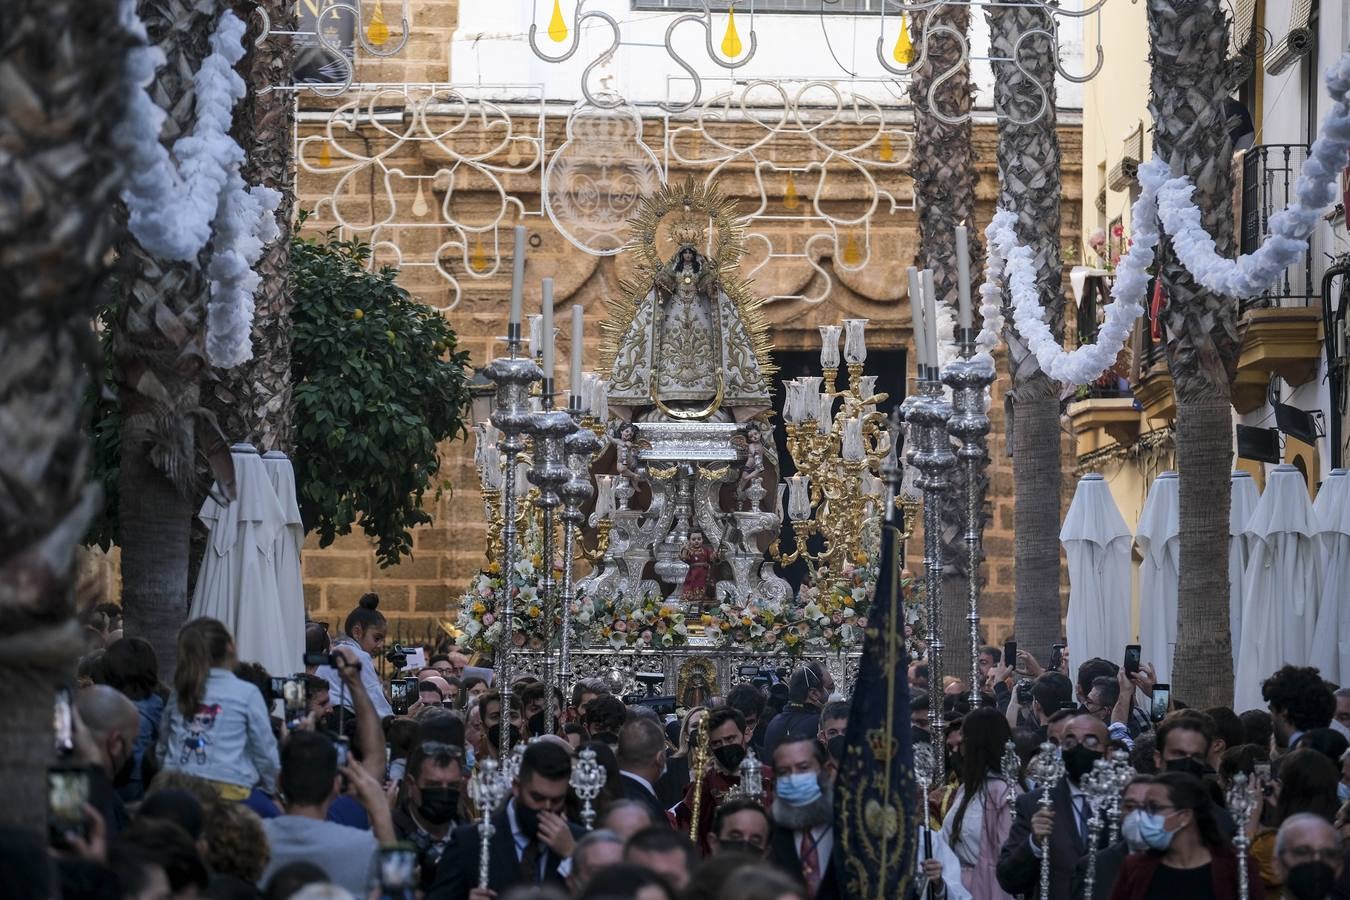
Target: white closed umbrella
(286, 557)
(1097, 544)
(1243, 497)
(1279, 585)
(1159, 543)
(237, 581)
(1331, 645)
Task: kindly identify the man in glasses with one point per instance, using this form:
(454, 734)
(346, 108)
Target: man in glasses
(1308, 856)
(430, 808)
(1083, 741)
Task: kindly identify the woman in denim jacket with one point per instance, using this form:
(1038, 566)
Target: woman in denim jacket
(217, 725)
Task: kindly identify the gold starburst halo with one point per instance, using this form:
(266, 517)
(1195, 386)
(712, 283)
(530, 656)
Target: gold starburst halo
(678, 214)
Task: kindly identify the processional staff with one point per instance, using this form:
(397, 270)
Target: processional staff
(1047, 768)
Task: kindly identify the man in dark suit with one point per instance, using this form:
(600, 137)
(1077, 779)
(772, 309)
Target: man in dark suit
(530, 837)
(802, 841)
(809, 689)
(1083, 742)
(642, 759)
(1109, 859)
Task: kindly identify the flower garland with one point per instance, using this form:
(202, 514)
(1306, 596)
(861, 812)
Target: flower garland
(177, 203)
(646, 621)
(830, 614)
(1165, 203)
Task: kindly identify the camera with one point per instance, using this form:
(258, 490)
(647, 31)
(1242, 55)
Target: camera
(398, 655)
(332, 660)
(650, 680)
(1023, 691)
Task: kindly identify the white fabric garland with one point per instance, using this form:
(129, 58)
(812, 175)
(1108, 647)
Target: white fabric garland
(178, 202)
(1290, 229)
(1086, 363)
(1165, 202)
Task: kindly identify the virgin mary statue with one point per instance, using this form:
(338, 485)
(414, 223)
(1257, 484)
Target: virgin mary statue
(687, 342)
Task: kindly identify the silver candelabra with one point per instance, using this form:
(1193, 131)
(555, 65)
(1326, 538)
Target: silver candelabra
(579, 448)
(512, 417)
(550, 428)
(1242, 802)
(934, 459)
(969, 377)
(487, 790)
(1099, 786)
(588, 779)
(1121, 772)
(1047, 768)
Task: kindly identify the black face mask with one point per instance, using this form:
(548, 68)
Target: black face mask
(730, 756)
(1187, 764)
(528, 820)
(1310, 880)
(125, 772)
(536, 723)
(955, 759)
(835, 747)
(739, 847)
(439, 804)
(1078, 762)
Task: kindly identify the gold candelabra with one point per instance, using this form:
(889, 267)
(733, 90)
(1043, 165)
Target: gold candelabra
(837, 493)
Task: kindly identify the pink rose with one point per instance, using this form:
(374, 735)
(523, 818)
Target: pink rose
(488, 619)
(837, 618)
(647, 636)
(862, 621)
(518, 638)
(620, 625)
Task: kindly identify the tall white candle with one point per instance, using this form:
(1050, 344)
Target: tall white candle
(546, 327)
(536, 335)
(517, 274)
(963, 309)
(578, 320)
(916, 315)
(930, 320)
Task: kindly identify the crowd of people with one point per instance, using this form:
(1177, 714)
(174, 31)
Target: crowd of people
(232, 783)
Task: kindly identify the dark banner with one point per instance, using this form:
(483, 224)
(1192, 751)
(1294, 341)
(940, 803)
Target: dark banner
(876, 813)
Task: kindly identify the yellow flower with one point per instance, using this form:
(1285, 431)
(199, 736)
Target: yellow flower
(705, 619)
(860, 558)
(534, 612)
(746, 620)
(768, 618)
(665, 612)
(789, 638)
(359, 314)
(494, 568)
(479, 608)
(848, 599)
(536, 560)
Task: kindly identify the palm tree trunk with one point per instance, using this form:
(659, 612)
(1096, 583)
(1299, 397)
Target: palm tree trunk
(1028, 170)
(1187, 101)
(158, 345)
(944, 197)
(252, 402)
(62, 64)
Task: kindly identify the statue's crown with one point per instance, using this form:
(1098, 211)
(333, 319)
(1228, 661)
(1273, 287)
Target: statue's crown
(688, 226)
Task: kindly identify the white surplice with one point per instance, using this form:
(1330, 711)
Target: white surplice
(286, 557)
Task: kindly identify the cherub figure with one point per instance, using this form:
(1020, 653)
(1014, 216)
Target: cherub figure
(197, 739)
(626, 449)
(753, 469)
(698, 581)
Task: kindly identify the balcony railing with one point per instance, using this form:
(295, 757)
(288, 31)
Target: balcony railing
(1269, 174)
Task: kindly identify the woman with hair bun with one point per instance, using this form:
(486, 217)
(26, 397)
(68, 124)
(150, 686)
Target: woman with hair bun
(363, 634)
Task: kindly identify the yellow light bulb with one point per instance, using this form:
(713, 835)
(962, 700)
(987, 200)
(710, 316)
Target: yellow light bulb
(325, 155)
(478, 259)
(557, 25)
(852, 254)
(377, 32)
(790, 193)
(731, 41)
(419, 205)
(886, 152)
(904, 47)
